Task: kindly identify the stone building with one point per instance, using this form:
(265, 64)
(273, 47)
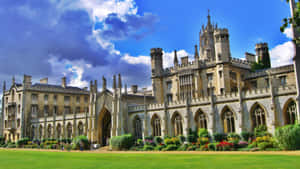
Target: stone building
(214, 91)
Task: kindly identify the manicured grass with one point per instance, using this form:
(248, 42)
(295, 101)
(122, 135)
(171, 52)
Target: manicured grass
(19, 159)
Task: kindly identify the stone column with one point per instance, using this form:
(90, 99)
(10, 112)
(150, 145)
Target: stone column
(271, 117)
(74, 134)
(54, 126)
(45, 127)
(211, 119)
(165, 120)
(240, 113)
(186, 121)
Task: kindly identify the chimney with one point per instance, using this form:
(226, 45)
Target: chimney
(134, 89)
(44, 80)
(27, 81)
(64, 82)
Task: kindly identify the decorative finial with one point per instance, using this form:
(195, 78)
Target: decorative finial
(103, 83)
(196, 52)
(114, 82)
(13, 80)
(119, 81)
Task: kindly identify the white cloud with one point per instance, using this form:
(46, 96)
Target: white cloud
(136, 60)
(282, 54)
(288, 32)
(168, 58)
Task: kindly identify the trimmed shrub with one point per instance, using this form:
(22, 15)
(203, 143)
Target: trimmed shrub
(181, 139)
(261, 131)
(212, 147)
(265, 145)
(148, 138)
(218, 137)
(123, 142)
(183, 147)
(203, 133)
(158, 140)
(191, 138)
(140, 142)
(11, 145)
(191, 148)
(246, 135)
(171, 147)
(22, 142)
(2, 140)
(159, 147)
(170, 141)
(288, 137)
(148, 148)
(81, 142)
(204, 148)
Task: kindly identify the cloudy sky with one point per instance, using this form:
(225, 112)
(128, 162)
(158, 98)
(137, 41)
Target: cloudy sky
(87, 39)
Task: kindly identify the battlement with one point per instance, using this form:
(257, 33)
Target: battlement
(221, 31)
(261, 45)
(155, 51)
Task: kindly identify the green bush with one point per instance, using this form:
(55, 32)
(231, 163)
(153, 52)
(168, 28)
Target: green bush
(191, 148)
(218, 137)
(181, 139)
(183, 147)
(158, 140)
(159, 147)
(148, 138)
(123, 142)
(191, 138)
(288, 137)
(265, 145)
(2, 140)
(80, 141)
(246, 135)
(212, 146)
(171, 147)
(261, 131)
(11, 145)
(203, 133)
(22, 142)
(148, 148)
(140, 142)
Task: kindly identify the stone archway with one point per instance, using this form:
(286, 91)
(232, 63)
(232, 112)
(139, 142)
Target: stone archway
(104, 127)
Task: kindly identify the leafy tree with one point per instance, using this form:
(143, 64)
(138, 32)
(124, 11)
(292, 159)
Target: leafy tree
(295, 21)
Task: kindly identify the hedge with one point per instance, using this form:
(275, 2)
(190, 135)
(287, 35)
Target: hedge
(288, 137)
(123, 142)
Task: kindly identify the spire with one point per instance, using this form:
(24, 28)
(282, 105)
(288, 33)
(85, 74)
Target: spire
(196, 53)
(175, 58)
(119, 81)
(103, 84)
(4, 86)
(13, 80)
(96, 86)
(91, 86)
(125, 89)
(208, 18)
(114, 82)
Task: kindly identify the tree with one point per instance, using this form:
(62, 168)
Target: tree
(294, 21)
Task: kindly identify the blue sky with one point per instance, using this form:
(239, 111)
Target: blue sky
(87, 39)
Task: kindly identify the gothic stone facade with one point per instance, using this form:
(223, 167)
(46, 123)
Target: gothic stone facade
(214, 91)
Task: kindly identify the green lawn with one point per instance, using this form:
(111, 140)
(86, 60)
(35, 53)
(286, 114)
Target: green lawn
(19, 159)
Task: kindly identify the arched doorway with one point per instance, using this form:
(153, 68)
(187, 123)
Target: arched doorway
(137, 126)
(80, 128)
(201, 120)
(156, 126)
(104, 127)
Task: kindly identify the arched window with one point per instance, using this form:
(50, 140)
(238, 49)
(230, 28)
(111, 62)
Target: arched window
(49, 131)
(58, 131)
(177, 123)
(201, 120)
(69, 130)
(291, 113)
(80, 129)
(137, 125)
(258, 117)
(41, 132)
(18, 123)
(228, 119)
(156, 127)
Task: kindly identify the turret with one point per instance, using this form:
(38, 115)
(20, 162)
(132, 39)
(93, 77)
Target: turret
(103, 84)
(96, 86)
(156, 61)
(27, 81)
(262, 52)
(175, 58)
(222, 47)
(64, 82)
(114, 83)
(196, 53)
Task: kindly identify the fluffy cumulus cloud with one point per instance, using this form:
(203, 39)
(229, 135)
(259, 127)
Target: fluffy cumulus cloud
(73, 38)
(282, 54)
(168, 58)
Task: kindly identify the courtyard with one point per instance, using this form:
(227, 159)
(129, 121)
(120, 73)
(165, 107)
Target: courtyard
(41, 159)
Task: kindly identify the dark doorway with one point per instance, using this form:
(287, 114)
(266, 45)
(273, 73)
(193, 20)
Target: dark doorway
(106, 128)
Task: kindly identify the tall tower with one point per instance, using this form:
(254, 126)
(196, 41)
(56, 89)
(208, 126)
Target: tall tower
(222, 46)
(156, 61)
(207, 48)
(262, 52)
(157, 69)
